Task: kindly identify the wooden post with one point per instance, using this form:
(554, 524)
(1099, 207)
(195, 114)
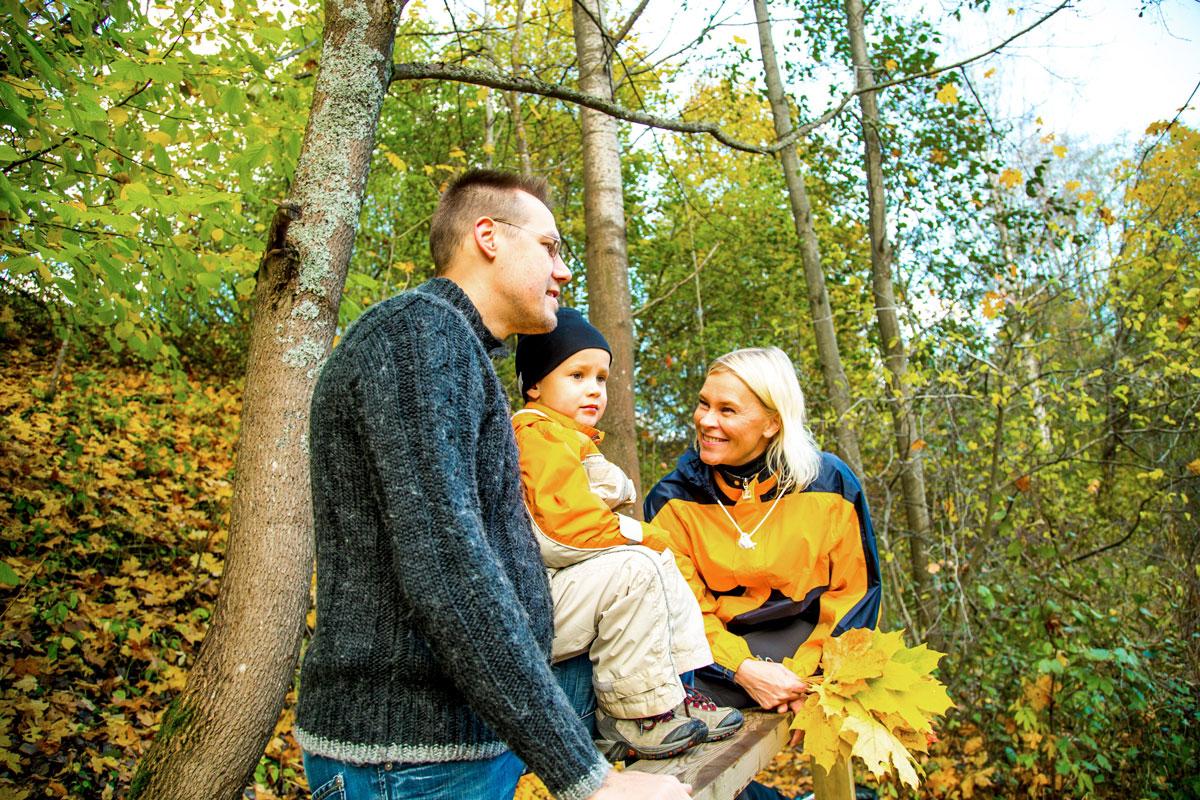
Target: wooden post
(836, 784)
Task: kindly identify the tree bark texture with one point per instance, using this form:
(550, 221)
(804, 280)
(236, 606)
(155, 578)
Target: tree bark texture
(607, 257)
(828, 352)
(904, 422)
(213, 734)
(514, 99)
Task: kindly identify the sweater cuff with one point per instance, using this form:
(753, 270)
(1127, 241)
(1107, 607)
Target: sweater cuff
(586, 786)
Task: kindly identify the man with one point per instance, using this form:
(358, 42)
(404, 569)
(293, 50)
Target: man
(430, 657)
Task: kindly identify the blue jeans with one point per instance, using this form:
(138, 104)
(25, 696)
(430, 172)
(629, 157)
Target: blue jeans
(486, 779)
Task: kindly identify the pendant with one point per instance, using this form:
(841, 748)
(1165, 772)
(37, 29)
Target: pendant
(745, 542)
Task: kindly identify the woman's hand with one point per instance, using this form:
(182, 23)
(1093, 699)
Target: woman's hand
(773, 686)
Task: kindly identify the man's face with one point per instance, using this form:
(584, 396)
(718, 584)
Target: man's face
(530, 278)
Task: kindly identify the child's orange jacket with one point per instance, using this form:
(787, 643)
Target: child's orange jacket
(571, 490)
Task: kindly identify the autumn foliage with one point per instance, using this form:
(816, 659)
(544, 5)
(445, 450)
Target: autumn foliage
(114, 504)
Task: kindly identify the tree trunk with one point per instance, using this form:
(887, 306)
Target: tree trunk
(213, 734)
(912, 475)
(514, 99)
(814, 272)
(604, 215)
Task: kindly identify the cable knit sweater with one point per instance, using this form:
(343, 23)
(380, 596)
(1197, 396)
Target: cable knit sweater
(434, 616)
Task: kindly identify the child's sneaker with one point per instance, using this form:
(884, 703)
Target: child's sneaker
(721, 721)
(661, 736)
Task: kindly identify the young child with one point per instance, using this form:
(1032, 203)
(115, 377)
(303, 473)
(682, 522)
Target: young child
(618, 592)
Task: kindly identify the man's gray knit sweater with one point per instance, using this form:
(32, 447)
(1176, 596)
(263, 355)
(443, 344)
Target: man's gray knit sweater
(434, 616)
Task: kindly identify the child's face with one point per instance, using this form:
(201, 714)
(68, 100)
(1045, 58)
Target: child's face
(578, 387)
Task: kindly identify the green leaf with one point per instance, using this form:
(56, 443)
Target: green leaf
(8, 576)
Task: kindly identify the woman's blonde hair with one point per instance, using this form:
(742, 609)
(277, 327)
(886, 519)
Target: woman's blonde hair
(792, 455)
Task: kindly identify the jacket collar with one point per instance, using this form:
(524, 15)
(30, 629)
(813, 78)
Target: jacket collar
(449, 291)
(705, 478)
(562, 419)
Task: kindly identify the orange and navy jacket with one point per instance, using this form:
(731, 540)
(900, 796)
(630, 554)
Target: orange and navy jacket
(571, 519)
(816, 547)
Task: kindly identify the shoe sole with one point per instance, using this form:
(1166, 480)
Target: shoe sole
(717, 736)
(672, 750)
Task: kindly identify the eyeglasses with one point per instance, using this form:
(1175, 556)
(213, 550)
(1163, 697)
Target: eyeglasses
(555, 247)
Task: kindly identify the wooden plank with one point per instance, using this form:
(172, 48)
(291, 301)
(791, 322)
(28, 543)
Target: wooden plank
(836, 784)
(720, 770)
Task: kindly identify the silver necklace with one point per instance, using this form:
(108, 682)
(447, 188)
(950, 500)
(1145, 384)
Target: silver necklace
(746, 539)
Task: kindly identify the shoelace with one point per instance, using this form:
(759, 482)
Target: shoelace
(648, 723)
(697, 699)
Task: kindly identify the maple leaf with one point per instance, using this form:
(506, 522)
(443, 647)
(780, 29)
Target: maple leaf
(948, 94)
(875, 699)
(879, 750)
(854, 658)
(821, 740)
(992, 303)
(1011, 178)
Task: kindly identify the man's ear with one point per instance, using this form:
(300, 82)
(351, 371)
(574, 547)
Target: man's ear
(484, 235)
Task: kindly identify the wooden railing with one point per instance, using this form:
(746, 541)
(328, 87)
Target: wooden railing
(720, 770)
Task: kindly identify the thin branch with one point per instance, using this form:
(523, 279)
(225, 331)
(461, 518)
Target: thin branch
(452, 72)
(441, 71)
(651, 303)
(1132, 529)
(620, 35)
(66, 138)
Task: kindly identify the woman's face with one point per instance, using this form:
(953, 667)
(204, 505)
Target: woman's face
(732, 426)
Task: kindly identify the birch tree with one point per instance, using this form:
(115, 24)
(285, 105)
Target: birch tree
(814, 272)
(604, 213)
(891, 337)
(214, 733)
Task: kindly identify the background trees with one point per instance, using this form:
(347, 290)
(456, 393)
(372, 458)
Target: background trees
(1045, 299)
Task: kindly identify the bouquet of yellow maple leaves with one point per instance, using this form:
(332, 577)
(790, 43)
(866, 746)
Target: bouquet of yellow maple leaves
(875, 699)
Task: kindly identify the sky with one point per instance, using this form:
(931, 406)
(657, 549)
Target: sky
(1095, 72)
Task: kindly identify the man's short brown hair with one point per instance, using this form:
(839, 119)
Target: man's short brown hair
(476, 193)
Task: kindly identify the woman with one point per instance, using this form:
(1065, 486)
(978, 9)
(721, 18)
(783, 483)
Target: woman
(778, 532)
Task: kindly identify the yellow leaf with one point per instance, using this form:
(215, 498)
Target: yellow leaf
(1060, 151)
(738, 40)
(990, 73)
(118, 115)
(1106, 215)
(159, 137)
(1011, 178)
(1037, 694)
(933, 568)
(879, 749)
(1048, 138)
(1071, 186)
(992, 303)
(821, 741)
(396, 161)
(217, 234)
(948, 94)
(890, 65)
(850, 657)
(1194, 466)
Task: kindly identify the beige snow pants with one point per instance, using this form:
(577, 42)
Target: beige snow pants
(631, 610)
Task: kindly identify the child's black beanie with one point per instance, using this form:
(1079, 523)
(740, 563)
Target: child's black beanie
(539, 353)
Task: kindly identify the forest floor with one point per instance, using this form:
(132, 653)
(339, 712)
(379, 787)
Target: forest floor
(114, 499)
